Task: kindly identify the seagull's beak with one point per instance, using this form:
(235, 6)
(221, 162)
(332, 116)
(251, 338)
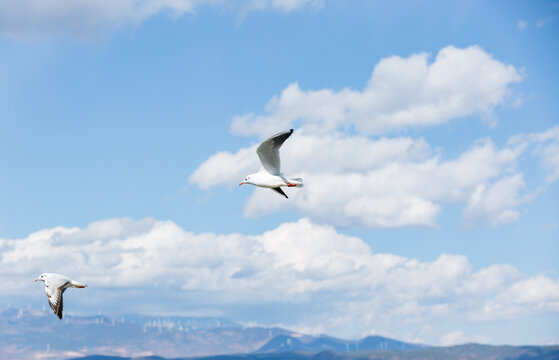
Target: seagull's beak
(37, 280)
(242, 183)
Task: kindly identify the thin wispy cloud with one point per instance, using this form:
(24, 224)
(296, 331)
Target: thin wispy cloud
(542, 22)
(94, 18)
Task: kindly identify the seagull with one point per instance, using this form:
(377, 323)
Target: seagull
(270, 175)
(55, 285)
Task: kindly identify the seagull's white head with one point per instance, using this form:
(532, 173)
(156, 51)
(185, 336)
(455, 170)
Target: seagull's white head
(246, 181)
(41, 278)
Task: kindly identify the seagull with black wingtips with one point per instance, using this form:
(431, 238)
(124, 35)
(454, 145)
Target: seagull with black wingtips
(55, 285)
(270, 175)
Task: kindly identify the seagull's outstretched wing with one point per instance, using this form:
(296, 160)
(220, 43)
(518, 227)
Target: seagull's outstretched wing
(268, 152)
(279, 191)
(54, 291)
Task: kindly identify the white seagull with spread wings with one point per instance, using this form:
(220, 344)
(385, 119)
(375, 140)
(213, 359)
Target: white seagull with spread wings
(270, 175)
(55, 285)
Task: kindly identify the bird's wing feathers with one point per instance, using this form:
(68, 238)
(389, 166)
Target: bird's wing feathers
(279, 191)
(268, 152)
(54, 295)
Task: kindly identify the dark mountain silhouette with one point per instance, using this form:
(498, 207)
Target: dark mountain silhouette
(460, 352)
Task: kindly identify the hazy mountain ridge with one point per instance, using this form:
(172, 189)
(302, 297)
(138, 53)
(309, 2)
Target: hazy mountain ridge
(286, 343)
(29, 334)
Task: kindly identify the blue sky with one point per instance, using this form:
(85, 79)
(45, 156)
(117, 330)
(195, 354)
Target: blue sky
(426, 133)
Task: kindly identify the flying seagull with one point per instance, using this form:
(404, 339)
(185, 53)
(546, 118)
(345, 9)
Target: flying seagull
(55, 285)
(270, 175)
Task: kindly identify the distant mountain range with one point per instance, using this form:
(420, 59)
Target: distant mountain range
(460, 352)
(31, 334)
(291, 343)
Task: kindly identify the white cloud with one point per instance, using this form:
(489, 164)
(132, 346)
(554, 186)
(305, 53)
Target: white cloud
(401, 93)
(224, 168)
(550, 161)
(546, 147)
(387, 182)
(453, 338)
(458, 337)
(536, 290)
(330, 153)
(490, 278)
(539, 292)
(284, 5)
(350, 287)
(352, 179)
(542, 22)
(85, 18)
(521, 25)
(496, 202)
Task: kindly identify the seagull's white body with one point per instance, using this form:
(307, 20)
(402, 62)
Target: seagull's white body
(55, 285)
(270, 175)
(267, 180)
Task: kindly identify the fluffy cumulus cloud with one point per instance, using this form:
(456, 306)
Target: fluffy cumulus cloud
(296, 264)
(388, 182)
(496, 202)
(361, 175)
(401, 93)
(24, 18)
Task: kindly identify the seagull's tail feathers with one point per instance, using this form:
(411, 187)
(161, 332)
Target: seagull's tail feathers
(78, 285)
(298, 182)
